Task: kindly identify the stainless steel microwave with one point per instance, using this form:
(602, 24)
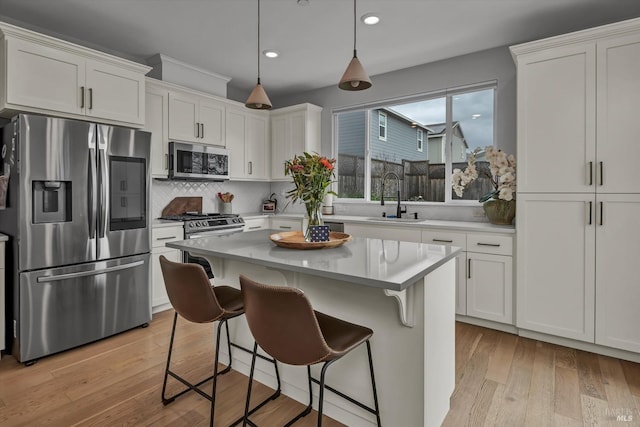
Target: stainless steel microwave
(198, 162)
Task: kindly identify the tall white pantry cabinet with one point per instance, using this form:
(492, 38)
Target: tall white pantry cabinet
(578, 198)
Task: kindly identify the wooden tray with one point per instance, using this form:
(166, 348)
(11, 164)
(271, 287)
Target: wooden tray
(295, 240)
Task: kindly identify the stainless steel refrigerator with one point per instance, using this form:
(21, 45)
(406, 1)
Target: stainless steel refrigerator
(78, 219)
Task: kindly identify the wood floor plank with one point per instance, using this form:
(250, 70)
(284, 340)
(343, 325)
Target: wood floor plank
(562, 421)
(632, 375)
(540, 405)
(471, 380)
(566, 357)
(482, 403)
(513, 409)
(496, 403)
(567, 393)
(501, 358)
(590, 375)
(620, 400)
(595, 412)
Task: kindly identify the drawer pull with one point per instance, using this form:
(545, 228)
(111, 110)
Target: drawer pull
(286, 227)
(442, 240)
(167, 238)
(493, 245)
(255, 227)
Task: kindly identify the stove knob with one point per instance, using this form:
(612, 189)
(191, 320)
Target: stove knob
(201, 223)
(190, 225)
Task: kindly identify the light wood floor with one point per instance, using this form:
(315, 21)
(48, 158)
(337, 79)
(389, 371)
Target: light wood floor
(501, 380)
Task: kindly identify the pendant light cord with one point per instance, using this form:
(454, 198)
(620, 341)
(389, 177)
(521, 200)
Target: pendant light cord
(258, 41)
(354, 28)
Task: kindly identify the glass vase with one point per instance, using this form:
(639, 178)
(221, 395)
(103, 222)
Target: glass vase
(312, 217)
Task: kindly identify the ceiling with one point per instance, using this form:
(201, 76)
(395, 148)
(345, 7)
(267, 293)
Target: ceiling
(315, 41)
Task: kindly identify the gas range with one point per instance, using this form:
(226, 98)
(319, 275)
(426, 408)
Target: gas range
(195, 223)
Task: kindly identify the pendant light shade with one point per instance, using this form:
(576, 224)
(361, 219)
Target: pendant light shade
(354, 77)
(258, 99)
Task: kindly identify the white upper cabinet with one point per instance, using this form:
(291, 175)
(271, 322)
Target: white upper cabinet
(45, 75)
(618, 126)
(294, 130)
(577, 111)
(157, 122)
(556, 120)
(247, 138)
(196, 118)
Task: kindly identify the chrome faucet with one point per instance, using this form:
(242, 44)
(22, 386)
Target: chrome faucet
(399, 210)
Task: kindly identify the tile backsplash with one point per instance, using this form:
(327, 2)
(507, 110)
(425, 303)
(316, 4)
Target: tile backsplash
(248, 195)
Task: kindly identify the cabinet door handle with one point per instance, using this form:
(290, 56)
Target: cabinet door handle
(442, 240)
(601, 173)
(90, 99)
(494, 245)
(590, 213)
(601, 213)
(81, 96)
(286, 227)
(469, 268)
(167, 238)
(202, 132)
(590, 173)
(250, 168)
(197, 130)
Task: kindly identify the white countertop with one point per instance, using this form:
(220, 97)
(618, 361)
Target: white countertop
(3, 238)
(425, 223)
(386, 264)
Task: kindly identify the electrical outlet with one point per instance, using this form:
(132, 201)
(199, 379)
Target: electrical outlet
(478, 213)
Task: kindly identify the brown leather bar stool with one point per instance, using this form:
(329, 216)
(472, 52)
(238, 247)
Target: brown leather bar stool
(193, 297)
(286, 327)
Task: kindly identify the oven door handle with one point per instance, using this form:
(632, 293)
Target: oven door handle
(198, 235)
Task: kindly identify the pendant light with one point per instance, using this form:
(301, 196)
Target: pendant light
(258, 99)
(354, 77)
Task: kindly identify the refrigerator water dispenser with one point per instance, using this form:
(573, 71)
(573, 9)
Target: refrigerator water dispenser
(51, 201)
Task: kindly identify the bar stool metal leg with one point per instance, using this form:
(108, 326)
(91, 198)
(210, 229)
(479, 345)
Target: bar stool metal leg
(373, 385)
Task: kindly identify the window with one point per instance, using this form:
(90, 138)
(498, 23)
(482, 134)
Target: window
(426, 137)
(382, 126)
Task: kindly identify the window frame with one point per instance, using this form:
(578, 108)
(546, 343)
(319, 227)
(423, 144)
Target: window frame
(420, 140)
(382, 114)
(448, 94)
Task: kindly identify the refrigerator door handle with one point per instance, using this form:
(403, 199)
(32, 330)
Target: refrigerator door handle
(93, 178)
(45, 279)
(104, 189)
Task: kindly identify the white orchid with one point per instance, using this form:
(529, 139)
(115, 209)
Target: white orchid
(503, 174)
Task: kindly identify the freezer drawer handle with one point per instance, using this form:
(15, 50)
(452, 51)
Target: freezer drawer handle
(44, 279)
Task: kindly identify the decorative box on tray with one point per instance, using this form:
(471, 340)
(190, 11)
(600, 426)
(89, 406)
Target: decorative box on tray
(319, 233)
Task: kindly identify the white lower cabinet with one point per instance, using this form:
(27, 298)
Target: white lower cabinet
(381, 232)
(459, 239)
(159, 237)
(255, 224)
(282, 224)
(617, 283)
(556, 271)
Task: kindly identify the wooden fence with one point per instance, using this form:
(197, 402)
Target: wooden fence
(419, 180)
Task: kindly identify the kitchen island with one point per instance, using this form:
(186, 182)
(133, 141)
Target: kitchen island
(414, 337)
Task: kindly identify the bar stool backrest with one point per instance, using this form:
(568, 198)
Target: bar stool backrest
(190, 291)
(283, 323)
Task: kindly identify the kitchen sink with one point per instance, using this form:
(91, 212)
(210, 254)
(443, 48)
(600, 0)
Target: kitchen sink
(393, 219)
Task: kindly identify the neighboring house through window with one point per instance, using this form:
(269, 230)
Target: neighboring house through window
(419, 147)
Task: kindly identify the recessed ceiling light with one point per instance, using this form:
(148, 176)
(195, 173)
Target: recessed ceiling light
(270, 53)
(370, 18)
